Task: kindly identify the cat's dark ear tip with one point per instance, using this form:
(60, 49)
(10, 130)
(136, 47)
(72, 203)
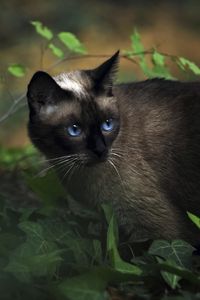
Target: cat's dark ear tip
(116, 54)
(40, 79)
(39, 74)
(40, 82)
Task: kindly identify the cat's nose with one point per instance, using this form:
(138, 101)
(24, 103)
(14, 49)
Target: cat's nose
(100, 149)
(100, 153)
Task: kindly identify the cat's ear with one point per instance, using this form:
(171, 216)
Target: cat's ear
(42, 91)
(105, 74)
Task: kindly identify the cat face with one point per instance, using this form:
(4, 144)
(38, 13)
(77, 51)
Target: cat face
(75, 113)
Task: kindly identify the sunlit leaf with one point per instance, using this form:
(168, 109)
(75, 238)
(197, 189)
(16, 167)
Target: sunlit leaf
(17, 70)
(56, 51)
(136, 44)
(183, 62)
(138, 51)
(159, 68)
(42, 30)
(158, 58)
(71, 42)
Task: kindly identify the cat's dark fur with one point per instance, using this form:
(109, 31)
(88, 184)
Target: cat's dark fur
(148, 166)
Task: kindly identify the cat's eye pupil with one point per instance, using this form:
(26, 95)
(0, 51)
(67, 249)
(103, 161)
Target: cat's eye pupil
(107, 125)
(74, 130)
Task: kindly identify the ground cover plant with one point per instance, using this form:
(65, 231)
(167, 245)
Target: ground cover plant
(52, 247)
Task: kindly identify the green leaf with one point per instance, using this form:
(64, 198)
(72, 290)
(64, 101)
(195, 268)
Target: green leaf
(136, 44)
(178, 251)
(138, 50)
(91, 285)
(49, 190)
(116, 261)
(170, 278)
(19, 270)
(159, 69)
(190, 276)
(42, 30)
(71, 42)
(194, 219)
(34, 259)
(32, 229)
(183, 62)
(158, 59)
(56, 51)
(17, 70)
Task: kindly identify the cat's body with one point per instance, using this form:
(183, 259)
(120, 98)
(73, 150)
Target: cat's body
(148, 166)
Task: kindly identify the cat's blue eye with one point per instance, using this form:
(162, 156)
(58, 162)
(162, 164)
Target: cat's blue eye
(74, 130)
(108, 125)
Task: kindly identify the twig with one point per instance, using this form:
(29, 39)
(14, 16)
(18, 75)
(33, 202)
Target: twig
(74, 57)
(14, 107)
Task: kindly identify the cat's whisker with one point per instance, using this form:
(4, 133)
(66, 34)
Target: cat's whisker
(65, 164)
(118, 174)
(58, 158)
(64, 161)
(115, 168)
(116, 154)
(119, 151)
(68, 171)
(74, 169)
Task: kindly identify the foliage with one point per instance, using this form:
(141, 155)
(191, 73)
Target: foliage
(17, 70)
(52, 247)
(72, 45)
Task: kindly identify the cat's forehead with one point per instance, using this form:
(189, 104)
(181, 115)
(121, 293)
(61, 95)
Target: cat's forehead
(82, 105)
(83, 111)
(77, 82)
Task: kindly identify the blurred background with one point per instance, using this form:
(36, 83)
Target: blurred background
(103, 27)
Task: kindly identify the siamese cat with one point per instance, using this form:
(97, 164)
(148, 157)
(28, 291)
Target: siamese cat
(135, 145)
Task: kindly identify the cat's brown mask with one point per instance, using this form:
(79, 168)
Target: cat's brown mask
(75, 113)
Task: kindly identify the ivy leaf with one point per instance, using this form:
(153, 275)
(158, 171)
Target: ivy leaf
(34, 259)
(170, 278)
(194, 219)
(17, 70)
(56, 51)
(71, 42)
(33, 230)
(183, 62)
(178, 251)
(42, 30)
